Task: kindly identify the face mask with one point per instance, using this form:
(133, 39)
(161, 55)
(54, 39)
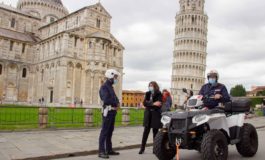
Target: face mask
(212, 80)
(115, 81)
(151, 89)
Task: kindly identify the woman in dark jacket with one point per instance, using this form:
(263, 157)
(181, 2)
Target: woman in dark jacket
(152, 114)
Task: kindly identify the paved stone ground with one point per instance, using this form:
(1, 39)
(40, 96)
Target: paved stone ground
(184, 154)
(22, 145)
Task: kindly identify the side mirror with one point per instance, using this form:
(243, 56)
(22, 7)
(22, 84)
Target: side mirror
(184, 90)
(191, 93)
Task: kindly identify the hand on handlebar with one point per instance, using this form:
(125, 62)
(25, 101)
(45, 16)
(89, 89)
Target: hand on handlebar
(217, 96)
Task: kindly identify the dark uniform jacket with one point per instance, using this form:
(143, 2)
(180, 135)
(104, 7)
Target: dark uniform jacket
(152, 114)
(107, 94)
(209, 90)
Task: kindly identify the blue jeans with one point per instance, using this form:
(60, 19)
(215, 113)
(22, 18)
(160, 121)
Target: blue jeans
(105, 143)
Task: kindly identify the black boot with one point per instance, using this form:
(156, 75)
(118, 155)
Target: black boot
(103, 155)
(113, 153)
(142, 150)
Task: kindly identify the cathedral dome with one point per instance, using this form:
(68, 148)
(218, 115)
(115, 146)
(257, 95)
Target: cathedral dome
(47, 10)
(57, 1)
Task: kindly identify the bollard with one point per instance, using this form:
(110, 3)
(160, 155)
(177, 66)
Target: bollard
(43, 117)
(89, 118)
(125, 117)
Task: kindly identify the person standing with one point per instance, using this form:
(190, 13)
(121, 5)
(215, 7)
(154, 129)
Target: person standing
(42, 102)
(110, 107)
(167, 101)
(75, 102)
(152, 115)
(81, 103)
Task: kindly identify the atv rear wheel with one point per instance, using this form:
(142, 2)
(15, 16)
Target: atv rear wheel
(214, 146)
(162, 148)
(248, 145)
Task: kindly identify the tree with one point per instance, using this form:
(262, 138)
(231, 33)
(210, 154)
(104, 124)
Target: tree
(261, 93)
(238, 91)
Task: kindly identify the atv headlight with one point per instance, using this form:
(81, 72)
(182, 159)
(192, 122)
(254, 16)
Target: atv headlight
(199, 118)
(165, 120)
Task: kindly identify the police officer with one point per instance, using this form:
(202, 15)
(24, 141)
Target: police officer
(110, 107)
(214, 92)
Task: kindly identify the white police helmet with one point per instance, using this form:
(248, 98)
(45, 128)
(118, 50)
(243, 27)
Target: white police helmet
(213, 73)
(111, 73)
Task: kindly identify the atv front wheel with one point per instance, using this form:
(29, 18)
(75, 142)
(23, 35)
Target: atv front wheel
(214, 146)
(248, 145)
(162, 149)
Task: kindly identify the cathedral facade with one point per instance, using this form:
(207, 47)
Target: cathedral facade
(51, 54)
(188, 69)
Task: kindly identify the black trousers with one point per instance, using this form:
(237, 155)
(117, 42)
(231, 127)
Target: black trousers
(146, 134)
(105, 143)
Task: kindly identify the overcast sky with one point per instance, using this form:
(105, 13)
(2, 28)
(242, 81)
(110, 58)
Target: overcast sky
(236, 39)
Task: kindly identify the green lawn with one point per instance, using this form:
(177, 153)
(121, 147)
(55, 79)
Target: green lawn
(14, 117)
(18, 118)
(259, 112)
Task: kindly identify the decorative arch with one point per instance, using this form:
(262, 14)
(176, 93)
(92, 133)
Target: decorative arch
(47, 66)
(79, 66)
(70, 64)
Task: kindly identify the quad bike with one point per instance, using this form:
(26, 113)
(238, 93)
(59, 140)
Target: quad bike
(207, 131)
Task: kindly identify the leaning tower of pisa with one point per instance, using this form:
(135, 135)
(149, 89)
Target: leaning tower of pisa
(190, 44)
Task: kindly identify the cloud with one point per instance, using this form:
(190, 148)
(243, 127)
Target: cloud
(145, 41)
(236, 41)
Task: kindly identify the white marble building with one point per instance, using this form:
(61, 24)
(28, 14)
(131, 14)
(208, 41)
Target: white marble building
(47, 52)
(188, 69)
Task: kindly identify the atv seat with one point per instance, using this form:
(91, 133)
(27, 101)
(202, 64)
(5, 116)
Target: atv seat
(214, 111)
(238, 105)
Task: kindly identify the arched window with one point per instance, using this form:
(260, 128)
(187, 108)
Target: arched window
(76, 38)
(77, 21)
(1, 69)
(24, 73)
(23, 47)
(114, 52)
(13, 23)
(193, 20)
(42, 75)
(98, 23)
(11, 46)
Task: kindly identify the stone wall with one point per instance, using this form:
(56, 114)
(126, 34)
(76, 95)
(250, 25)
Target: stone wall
(22, 22)
(88, 16)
